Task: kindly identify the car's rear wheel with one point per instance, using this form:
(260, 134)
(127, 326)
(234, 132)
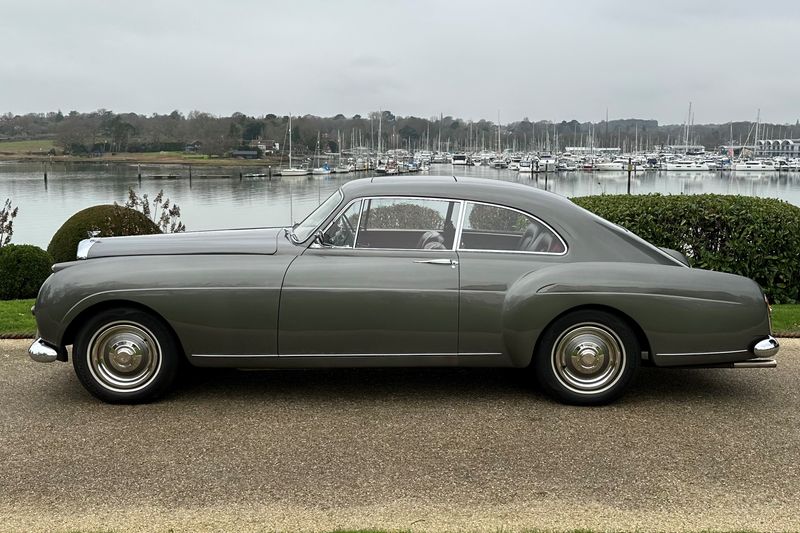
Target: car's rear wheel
(125, 356)
(587, 357)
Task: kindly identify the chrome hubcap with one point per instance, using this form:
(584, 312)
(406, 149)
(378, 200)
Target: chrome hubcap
(124, 357)
(588, 358)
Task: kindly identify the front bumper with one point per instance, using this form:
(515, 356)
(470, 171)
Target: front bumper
(41, 352)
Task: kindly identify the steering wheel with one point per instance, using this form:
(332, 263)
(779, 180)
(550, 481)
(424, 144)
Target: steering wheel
(345, 233)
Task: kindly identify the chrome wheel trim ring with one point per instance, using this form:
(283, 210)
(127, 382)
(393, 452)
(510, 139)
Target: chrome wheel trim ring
(588, 358)
(124, 356)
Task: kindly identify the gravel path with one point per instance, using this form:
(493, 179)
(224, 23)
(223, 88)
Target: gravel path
(426, 450)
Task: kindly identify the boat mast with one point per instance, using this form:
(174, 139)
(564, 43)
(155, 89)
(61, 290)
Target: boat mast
(290, 140)
(499, 151)
(755, 142)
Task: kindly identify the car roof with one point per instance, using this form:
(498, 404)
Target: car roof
(500, 192)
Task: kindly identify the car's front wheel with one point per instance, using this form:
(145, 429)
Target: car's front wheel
(587, 357)
(125, 356)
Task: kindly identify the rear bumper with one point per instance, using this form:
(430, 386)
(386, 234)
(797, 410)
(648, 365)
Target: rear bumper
(759, 355)
(41, 352)
(767, 347)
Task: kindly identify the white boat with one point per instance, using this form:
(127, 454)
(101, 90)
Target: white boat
(499, 162)
(343, 168)
(754, 165)
(513, 165)
(321, 171)
(684, 164)
(608, 166)
(526, 166)
(292, 171)
(459, 159)
(546, 164)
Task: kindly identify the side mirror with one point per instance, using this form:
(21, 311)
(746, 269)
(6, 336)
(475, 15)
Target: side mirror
(319, 240)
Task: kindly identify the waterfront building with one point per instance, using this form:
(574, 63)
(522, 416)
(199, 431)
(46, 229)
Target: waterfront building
(789, 148)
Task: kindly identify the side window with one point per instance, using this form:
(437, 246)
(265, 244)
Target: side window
(489, 227)
(342, 232)
(408, 224)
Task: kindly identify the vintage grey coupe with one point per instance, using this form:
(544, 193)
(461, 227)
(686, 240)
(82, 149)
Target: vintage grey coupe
(426, 271)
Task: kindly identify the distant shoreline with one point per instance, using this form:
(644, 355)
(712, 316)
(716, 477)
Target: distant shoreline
(144, 158)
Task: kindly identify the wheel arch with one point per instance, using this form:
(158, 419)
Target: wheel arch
(641, 336)
(83, 316)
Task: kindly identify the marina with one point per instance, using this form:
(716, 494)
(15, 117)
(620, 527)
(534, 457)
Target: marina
(222, 198)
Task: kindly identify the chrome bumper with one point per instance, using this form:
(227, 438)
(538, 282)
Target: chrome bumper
(766, 348)
(763, 350)
(42, 352)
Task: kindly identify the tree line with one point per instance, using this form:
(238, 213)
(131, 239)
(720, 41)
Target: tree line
(105, 131)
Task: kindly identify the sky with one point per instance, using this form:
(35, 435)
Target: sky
(545, 60)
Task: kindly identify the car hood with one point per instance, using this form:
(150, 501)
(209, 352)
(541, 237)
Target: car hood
(260, 241)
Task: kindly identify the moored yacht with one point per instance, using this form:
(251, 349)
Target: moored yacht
(754, 165)
(684, 164)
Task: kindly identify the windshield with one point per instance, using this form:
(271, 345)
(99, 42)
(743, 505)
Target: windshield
(304, 230)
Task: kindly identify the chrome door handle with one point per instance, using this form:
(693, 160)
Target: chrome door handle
(450, 262)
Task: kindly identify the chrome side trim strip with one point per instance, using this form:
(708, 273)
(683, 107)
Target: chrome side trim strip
(703, 353)
(425, 354)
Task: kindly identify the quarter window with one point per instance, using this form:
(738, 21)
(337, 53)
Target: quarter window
(408, 224)
(489, 227)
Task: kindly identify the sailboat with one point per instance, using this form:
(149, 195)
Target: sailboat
(342, 167)
(754, 165)
(325, 168)
(292, 171)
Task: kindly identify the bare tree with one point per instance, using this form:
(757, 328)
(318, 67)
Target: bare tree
(7, 215)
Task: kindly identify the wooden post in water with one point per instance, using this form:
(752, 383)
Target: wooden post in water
(545, 179)
(630, 168)
(44, 166)
(240, 173)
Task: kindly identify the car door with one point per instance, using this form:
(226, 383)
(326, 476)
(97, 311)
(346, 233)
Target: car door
(384, 282)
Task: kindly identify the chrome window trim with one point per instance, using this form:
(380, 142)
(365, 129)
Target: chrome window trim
(363, 199)
(521, 252)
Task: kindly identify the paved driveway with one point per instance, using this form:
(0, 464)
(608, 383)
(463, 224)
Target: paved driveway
(434, 450)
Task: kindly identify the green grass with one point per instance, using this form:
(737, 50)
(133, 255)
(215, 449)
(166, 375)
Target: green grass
(23, 147)
(786, 318)
(15, 317)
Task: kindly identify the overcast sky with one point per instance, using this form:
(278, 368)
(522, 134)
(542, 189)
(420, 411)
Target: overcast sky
(554, 60)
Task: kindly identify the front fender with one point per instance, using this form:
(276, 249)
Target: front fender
(680, 310)
(214, 303)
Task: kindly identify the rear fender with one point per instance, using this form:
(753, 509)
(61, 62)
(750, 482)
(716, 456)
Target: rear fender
(679, 310)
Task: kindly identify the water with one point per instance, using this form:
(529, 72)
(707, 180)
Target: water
(228, 202)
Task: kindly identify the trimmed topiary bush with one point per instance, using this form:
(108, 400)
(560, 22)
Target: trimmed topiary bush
(754, 237)
(108, 220)
(23, 269)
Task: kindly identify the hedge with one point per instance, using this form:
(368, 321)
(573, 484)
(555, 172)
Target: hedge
(105, 220)
(754, 237)
(23, 269)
